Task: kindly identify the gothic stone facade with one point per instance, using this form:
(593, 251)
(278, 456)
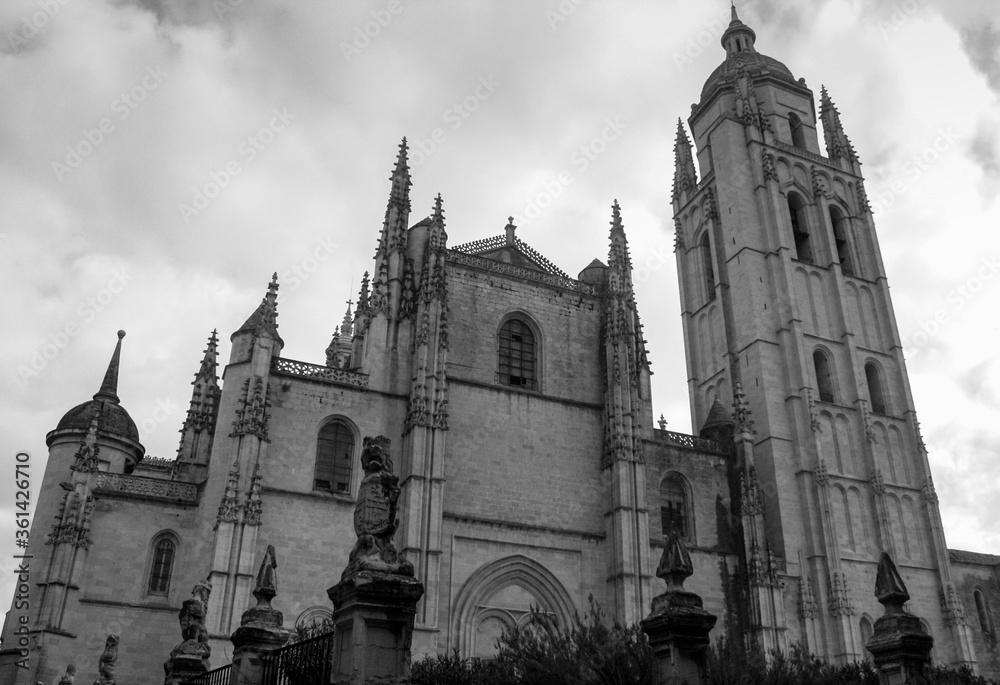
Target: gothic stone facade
(517, 401)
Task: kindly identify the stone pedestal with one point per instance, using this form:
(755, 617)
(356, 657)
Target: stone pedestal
(678, 632)
(182, 668)
(261, 632)
(678, 626)
(900, 647)
(373, 615)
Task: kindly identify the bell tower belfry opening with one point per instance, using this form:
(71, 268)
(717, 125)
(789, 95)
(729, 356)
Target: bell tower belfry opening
(785, 304)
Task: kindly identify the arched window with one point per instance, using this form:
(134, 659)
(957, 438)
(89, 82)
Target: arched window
(798, 134)
(983, 610)
(518, 355)
(875, 391)
(707, 270)
(840, 239)
(675, 509)
(866, 631)
(164, 551)
(800, 228)
(824, 379)
(334, 458)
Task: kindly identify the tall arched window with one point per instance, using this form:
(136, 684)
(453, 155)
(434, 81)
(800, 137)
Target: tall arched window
(843, 245)
(798, 134)
(675, 508)
(800, 228)
(334, 458)
(824, 378)
(875, 391)
(518, 355)
(983, 610)
(162, 566)
(707, 270)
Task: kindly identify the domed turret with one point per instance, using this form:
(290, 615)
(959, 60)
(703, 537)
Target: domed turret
(739, 41)
(112, 418)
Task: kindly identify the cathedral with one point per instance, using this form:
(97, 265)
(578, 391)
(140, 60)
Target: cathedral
(516, 400)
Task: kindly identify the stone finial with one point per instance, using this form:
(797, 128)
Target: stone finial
(890, 590)
(375, 519)
(106, 666)
(662, 422)
(509, 230)
(69, 677)
(675, 564)
(267, 580)
(109, 386)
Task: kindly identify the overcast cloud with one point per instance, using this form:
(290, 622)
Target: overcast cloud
(118, 115)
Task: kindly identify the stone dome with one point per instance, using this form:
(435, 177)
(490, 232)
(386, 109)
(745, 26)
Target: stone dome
(112, 418)
(757, 65)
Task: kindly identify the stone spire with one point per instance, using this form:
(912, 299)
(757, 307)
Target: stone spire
(338, 353)
(264, 320)
(685, 175)
(626, 352)
(109, 387)
(390, 256)
(838, 145)
(194, 451)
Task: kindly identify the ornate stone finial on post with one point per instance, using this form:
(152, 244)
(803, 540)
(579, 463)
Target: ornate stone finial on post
(69, 677)
(899, 645)
(190, 658)
(106, 666)
(678, 626)
(375, 602)
(261, 630)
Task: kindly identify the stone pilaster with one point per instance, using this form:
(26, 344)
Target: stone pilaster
(899, 646)
(678, 626)
(375, 602)
(261, 627)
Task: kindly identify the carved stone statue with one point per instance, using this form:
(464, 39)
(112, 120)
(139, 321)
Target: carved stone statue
(106, 666)
(375, 519)
(267, 581)
(69, 677)
(193, 631)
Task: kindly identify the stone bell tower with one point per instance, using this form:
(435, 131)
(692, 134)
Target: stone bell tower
(784, 295)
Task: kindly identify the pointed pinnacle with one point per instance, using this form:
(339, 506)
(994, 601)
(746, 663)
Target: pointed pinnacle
(438, 215)
(401, 158)
(208, 361)
(272, 287)
(682, 136)
(109, 387)
(616, 216)
(735, 16)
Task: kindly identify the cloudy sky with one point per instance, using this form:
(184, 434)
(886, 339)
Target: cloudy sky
(122, 119)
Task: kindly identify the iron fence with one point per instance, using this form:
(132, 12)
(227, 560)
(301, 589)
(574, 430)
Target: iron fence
(219, 676)
(309, 662)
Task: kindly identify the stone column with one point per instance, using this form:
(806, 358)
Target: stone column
(261, 628)
(376, 599)
(189, 659)
(678, 627)
(899, 645)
